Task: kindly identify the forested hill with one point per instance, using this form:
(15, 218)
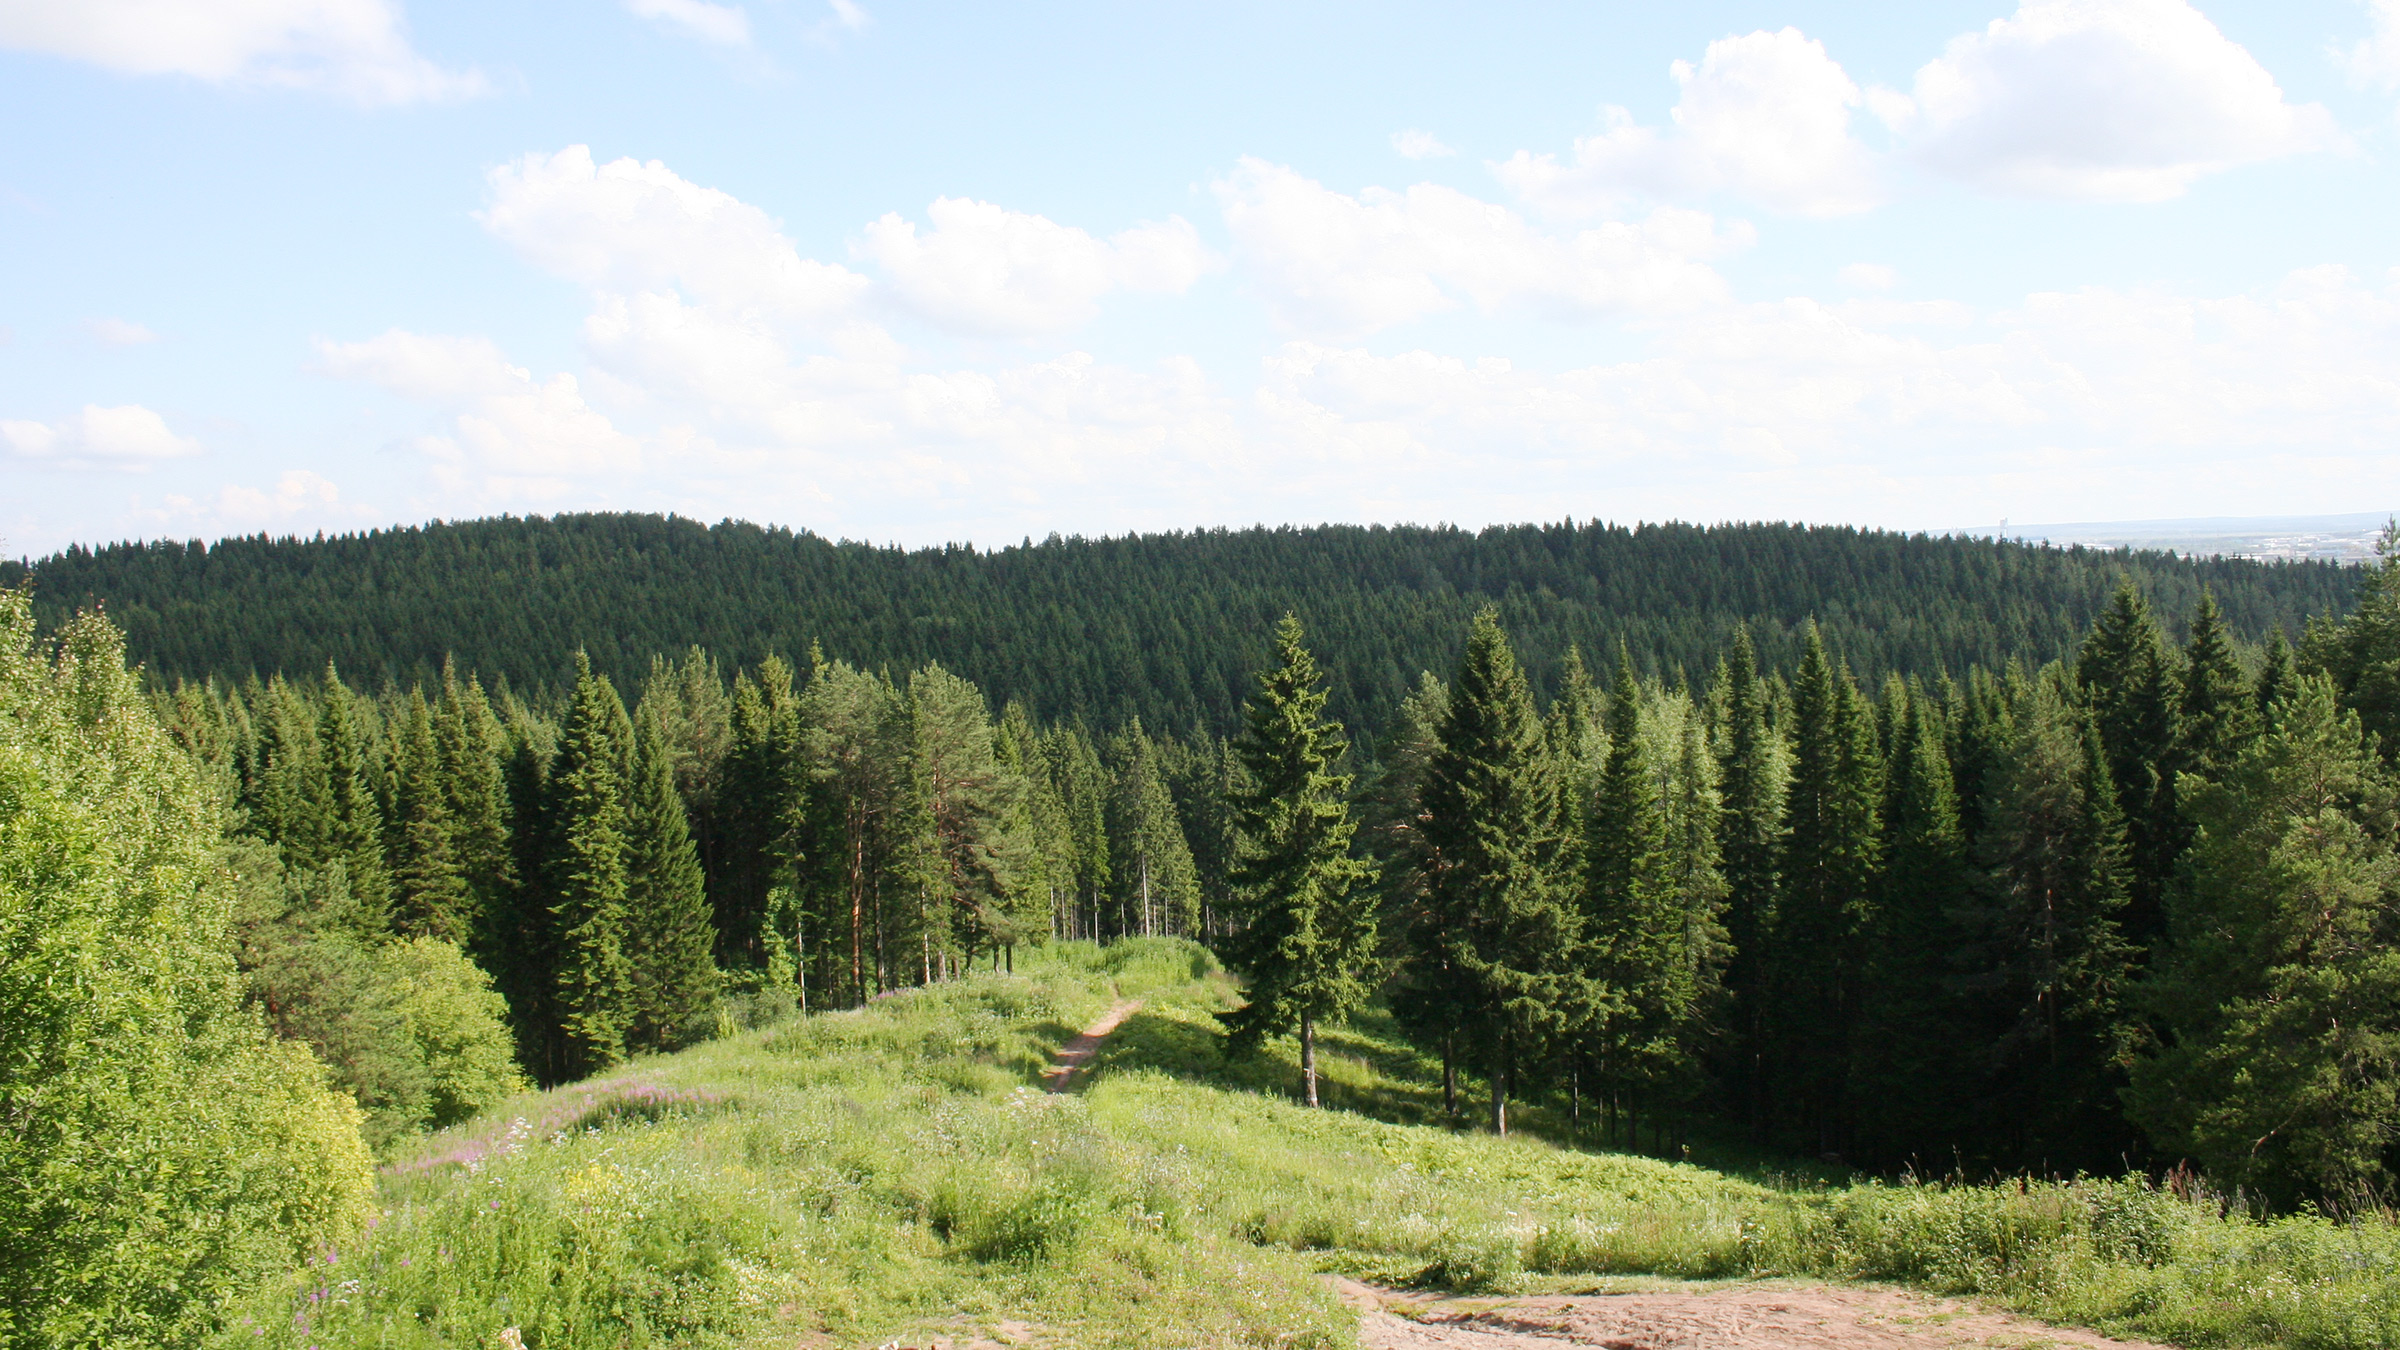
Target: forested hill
(1167, 626)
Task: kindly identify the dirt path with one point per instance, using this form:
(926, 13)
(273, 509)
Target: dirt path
(1736, 1317)
(1079, 1051)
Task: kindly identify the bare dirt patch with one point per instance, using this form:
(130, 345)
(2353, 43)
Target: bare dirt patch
(1727, 1317)
(1079, 1051)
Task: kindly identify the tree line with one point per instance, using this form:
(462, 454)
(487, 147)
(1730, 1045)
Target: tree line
(2135, 906)
(631, 873)
(1164, 627)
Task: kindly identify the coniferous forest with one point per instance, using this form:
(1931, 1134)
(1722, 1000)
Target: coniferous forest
(1898, 852)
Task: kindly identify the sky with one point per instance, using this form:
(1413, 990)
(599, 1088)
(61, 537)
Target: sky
(925, 274)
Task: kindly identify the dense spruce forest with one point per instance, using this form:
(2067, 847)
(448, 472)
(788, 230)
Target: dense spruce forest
(1165, 627)
(2125, 895)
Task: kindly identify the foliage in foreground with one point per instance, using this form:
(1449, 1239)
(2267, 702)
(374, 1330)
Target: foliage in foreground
(159, 1153)
(870, 1174)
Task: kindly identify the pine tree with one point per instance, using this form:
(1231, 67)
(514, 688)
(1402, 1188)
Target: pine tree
(2129, 680)
(1046, 880)
(1830, 875)
(1912, 1065)
(2217, 715)
(474, 753)
(1504, 928)
(2278, 992)
(2275, 680)
(430, 895)
(1755, 774)
(2048, 961)
(1305, 932)
(354, 819)
(592, 784)
(1084, 788)
(853, 753)
(971, 856)
(754, 808)
(1148, 855)
(670, 936)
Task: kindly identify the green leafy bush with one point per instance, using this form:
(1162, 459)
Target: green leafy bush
(161, 1153)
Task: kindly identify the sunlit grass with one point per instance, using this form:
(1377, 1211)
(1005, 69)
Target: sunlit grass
(895, 1172)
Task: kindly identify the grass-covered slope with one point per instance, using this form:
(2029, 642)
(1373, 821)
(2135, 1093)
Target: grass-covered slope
(896, 1173)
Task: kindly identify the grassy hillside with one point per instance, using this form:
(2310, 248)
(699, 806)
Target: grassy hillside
(1167, 626)
(894, 1171)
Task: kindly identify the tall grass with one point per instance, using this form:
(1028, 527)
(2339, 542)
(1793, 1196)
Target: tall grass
(895, 1171)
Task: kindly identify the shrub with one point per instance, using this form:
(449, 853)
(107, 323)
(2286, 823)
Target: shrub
(161, 1153)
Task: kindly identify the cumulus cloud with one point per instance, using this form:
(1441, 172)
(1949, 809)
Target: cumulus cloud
(1765, 116)
(2100, 100)
(2374, 61)
(357, 49)
(1800, 408)
(1332, 262)
(630, 226)
(501, 420)
(120, 332)
(726, 25)
(126, 437)
(1414, 144)
(985, 269)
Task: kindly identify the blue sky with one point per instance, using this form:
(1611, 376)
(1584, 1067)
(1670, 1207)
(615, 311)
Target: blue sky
(920, 273)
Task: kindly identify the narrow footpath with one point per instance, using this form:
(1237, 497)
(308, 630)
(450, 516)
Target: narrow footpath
(1732, 1317)
(1078, 1052)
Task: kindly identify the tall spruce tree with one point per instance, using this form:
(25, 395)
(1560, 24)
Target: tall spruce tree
(1913, 1064)
(2129, 680)
(1424, 992)
(1149, 857)
(2217, 714)
(1830, 873)
(429, 893)
(474, 755)
(1755, 773)
(354, 817)
(670, 939)
(1504, 927)
(591, 792)
(1633, 914)
(971, 852)
(1304, 936)
(2048, 963)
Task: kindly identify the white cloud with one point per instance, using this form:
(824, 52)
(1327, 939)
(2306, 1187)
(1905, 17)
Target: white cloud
(358, 49)
(120, 332)
(2151, 403)
(985, 269)
(849, 15)
(2101, 100)
(628, 226)
(1765, 116)
(1330, 262)
(503, 421)
(726, 25)
(1868, 277)
(127, 437)
(2374, 61)
(1415, 144)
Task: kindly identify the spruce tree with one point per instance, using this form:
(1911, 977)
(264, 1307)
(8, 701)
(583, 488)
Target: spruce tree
(1304, 937)
(1755, 772)
(1504, 926)
(430, 896)
(1913, 1064)
(2048, 963)
(1149, 858)
(2217, 714)
(2275, 680)
(1633, 915)
(592, 783)
(1425, 998)
(1830, 873)
(474, 754)
(289, 798)
(354, 818)
(971, 856)
(670, 936)
(2129, 680)
(754, 807)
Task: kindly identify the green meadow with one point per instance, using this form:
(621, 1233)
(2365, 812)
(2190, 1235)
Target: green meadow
(896, 1173)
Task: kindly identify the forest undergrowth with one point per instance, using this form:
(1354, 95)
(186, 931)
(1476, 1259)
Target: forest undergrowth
(895, 1173)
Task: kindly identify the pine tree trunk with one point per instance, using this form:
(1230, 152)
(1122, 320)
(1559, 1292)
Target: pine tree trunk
(1449, 1075)
(1500, 1089)
(1308, 1055)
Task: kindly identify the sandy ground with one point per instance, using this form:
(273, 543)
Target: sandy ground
(1077, 1052)
(1750, 1317)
